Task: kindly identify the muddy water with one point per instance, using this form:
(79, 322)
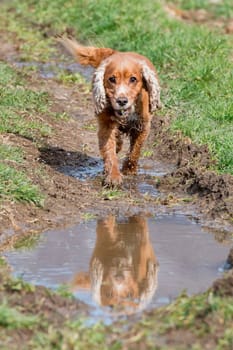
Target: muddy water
(144, 183)
(134, 262)
(51, 70)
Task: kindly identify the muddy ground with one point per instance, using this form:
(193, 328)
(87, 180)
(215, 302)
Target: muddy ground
(73, 143)
(191, 187)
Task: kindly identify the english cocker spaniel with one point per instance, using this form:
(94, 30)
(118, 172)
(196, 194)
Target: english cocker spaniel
(126, 91)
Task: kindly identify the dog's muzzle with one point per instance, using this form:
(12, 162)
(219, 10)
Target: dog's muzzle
(122, 113)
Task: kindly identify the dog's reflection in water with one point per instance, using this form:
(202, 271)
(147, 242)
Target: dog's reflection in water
(123, 268)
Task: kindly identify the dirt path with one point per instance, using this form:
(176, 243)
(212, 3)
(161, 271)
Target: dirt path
(73, 144)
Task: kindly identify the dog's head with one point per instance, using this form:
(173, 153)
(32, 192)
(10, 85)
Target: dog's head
(118, 81)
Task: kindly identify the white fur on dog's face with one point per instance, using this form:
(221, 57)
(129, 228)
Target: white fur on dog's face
(119, 80)
(123, 84)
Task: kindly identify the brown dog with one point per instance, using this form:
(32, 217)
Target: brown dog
(123, 268)
(125, 91)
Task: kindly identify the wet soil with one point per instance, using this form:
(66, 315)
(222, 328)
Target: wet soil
(189, 186)
(212, 192)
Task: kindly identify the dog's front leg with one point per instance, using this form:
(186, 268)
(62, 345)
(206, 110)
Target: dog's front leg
(138, 135)
(137, 139)
(107, 144)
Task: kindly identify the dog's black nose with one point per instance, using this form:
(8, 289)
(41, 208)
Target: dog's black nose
(122, 101)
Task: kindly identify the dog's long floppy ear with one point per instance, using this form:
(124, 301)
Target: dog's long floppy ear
(98, 91)
(152, 85)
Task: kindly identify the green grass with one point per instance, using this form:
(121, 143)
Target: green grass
(147, 153)
(18, 285)
(201, 315)
(19, 108)
(11, 153)
(22, 123)
(27, 242)
(88, 216)
(73, 78)
(186, 313)
(194, 62)
(219, 8)
(76, 336)
(15, 184)
(112, 194)
(11, 318)
(18, 105)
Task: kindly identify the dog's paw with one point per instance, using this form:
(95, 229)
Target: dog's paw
(129, 167)
(113, 180)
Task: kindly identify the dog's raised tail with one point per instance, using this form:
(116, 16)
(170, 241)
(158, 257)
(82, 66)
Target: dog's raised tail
(85, 55)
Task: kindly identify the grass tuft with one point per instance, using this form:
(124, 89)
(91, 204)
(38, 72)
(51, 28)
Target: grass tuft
(13, 319)
(15, 184)
(19, 108)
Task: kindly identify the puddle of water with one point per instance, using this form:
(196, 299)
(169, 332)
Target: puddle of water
(51, 70)
(148, 188)
(90, 169)
(151, 168)
(133, 262)
(154, 168)
(94, 167)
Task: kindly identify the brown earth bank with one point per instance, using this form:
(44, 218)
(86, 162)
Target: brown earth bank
(213, 193)
(49, 307)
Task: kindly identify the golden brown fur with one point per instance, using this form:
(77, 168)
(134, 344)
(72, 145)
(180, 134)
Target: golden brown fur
(123, 268)
(125, 92)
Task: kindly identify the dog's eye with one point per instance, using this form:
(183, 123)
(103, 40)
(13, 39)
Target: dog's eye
(132, 79)
(112, 79)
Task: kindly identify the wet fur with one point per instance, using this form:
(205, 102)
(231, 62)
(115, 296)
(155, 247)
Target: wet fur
(134, 119)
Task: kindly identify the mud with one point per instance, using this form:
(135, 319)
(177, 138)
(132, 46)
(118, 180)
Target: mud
(213, 193)
(224, 286)
(47, 305)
